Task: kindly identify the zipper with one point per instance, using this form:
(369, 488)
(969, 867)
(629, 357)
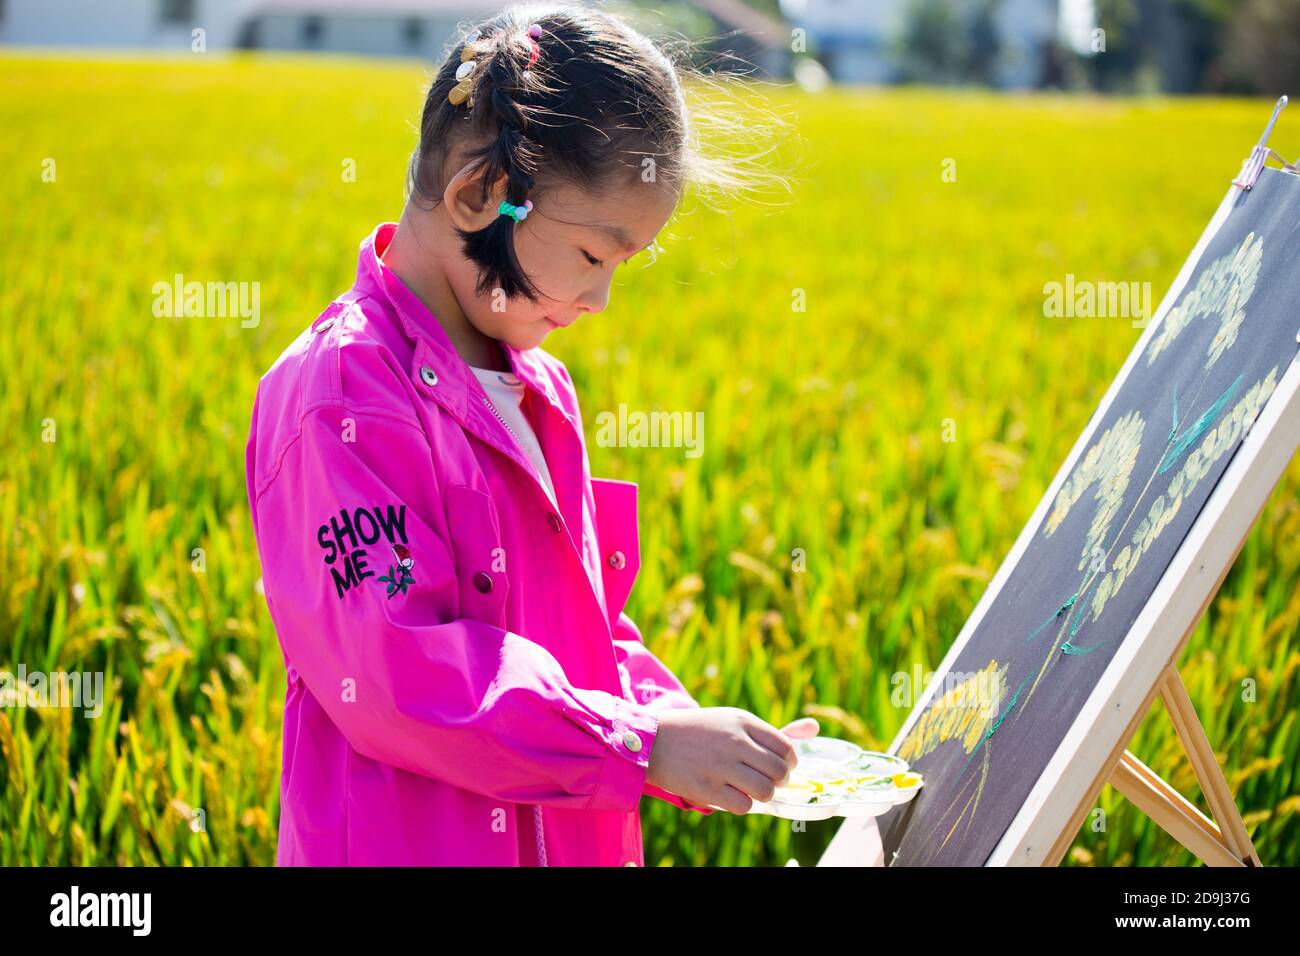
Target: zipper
(518, 443)
(493, 409)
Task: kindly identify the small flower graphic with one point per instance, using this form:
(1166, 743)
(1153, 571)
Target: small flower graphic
(398, 582)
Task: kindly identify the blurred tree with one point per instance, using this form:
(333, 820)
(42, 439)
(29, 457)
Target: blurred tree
(943, 41)
(984, 47)
(1174, 45)
(1119, 47)
(930, 43)
(1263, 47)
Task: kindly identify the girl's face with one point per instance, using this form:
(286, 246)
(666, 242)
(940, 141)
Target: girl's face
(570, 244)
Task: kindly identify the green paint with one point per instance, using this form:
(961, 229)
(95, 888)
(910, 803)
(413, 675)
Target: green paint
(1199, 428)
(1173, 429)
(1059, 611)
(1003, 716)
(1078, 617)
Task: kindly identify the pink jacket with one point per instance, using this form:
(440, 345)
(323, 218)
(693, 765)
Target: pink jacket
(463, 685)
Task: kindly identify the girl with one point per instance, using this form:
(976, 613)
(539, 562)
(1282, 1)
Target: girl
(446, 579)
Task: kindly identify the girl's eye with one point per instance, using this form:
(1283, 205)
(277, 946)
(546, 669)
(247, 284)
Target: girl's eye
(593, 261)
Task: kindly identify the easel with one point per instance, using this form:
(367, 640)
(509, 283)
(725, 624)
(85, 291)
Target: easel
(1171, 616)
(1222, 843)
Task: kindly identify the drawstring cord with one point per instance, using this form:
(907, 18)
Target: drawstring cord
(541, 837)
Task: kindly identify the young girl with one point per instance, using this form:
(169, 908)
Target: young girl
(446, 578)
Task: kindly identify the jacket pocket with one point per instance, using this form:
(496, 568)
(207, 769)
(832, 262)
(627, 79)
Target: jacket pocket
(480, 559)
(619, 540)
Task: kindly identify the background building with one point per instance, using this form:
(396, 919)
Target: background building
(889, 41)
(731, 34)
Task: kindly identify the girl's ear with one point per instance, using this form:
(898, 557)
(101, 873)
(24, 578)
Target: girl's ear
(464, 202)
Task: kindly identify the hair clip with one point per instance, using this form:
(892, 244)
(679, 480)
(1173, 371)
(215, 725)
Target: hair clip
(465, 72)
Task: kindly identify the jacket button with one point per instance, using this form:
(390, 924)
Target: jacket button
(631, 741)
(429, 376)
(554, 521)
(325, 325)
(630, 863)
(617, 560)
(483, 582)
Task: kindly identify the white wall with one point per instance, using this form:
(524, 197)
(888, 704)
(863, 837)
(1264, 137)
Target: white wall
(115, 23)
(372, 35)
(853, 18)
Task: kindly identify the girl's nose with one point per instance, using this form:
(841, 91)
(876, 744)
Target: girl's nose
(595, 300)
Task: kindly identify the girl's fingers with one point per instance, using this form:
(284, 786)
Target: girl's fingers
(761, 760)
(803, 727)
(767, 736)
(730, 799)
(754, 785)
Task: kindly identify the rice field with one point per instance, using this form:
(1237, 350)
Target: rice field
(829, 537)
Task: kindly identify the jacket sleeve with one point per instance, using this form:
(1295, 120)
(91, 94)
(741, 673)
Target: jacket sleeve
(405, 679)
(653, 686)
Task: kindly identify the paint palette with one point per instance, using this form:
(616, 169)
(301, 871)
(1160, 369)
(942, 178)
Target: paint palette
(836, 778)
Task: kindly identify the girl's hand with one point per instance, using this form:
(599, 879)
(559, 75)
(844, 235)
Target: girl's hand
(722, 757)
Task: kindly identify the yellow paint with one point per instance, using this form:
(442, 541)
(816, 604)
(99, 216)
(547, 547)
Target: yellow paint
(1222, 290)
(1108, 465)
(964, 713)
(1218, 442)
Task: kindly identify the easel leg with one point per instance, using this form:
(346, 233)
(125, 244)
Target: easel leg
(1171, 811)
(1168, 808)
(1206, 766)
(1222, 841)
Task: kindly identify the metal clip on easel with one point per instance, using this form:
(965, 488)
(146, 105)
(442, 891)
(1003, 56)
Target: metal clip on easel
(1254, 163)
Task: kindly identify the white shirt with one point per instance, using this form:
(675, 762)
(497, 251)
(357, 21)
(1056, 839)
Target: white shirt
(506, 393)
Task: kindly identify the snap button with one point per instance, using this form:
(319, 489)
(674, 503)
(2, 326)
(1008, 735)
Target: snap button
(325, 325)
(483, 582)
(429, 375)
(617, 560)
(630, 863)
(631, 741)
(554, 521)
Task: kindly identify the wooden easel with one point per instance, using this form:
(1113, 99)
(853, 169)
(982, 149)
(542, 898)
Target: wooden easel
(1224, 843)
(1221, 843)
(1041, 834)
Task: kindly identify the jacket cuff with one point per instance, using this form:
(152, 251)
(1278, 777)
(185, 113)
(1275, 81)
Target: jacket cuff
(623, 772)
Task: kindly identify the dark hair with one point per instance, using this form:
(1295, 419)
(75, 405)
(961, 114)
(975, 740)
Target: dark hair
(601, 105)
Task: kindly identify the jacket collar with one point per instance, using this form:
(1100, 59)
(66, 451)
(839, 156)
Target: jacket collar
(434, 349)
